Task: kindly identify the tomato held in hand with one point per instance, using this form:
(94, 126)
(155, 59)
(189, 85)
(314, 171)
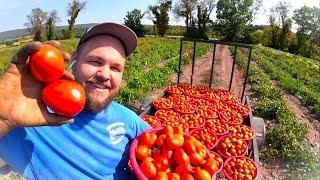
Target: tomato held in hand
(64, 97)
(47, 64)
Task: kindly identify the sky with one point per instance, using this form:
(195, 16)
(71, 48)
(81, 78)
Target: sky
(13, 12)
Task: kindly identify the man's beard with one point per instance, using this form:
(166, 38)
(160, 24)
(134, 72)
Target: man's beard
(97, 106)
(92, 102)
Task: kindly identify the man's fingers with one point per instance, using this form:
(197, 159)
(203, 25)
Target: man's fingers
(66, 56)
(68, 75)
(22, 55)
(54, 119)
(53, 43)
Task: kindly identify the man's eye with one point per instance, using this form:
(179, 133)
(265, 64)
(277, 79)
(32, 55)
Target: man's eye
(94, 62)
(115, 69)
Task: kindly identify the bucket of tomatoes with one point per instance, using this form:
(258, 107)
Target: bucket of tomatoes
(240, 167)
(154, 122)
(230, 145)
(170, 153)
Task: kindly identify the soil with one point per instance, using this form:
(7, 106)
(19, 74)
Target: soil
(272, 169)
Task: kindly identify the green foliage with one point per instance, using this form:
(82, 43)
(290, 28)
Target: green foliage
(233, 17)
(133, 21)
(161, 16)
(286, 136)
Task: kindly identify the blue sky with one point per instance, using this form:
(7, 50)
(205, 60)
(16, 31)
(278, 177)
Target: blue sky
(13, 12)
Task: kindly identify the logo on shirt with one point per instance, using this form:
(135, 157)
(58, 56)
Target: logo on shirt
(116, 132)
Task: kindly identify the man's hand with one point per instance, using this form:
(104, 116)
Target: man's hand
(20, 94)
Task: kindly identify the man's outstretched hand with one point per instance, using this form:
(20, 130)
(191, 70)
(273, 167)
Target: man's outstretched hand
(20, 94)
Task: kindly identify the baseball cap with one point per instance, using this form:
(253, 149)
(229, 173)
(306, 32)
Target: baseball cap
(125, 35)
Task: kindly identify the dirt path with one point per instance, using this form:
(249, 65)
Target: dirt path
(221, 73)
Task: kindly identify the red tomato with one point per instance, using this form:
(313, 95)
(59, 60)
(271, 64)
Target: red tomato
(148, 168)
(175, 141)
(64, 97)
(161, 140)
(161, 176)
(142, 152)
(183, 169)
(189, 146)
(187, 177)
(212, 166)
(201, 174)
(166, 152)
(161, 163)
(47, 64)
(147, 139)
(173, 176)
(196, 159)
(181, 157)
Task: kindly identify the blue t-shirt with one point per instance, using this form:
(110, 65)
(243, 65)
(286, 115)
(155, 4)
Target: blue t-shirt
(95, 146)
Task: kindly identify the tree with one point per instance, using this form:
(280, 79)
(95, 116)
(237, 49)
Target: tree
(73, 11)
(51, 22)
(282, 9)
(133, 21)
(184, 9)
(205, 8)
(36, 23)
(308, 20)
(274, 27)
(160, 16)
(234, 16)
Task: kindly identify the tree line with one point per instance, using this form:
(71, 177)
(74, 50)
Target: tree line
(42, 24)
(232, 22)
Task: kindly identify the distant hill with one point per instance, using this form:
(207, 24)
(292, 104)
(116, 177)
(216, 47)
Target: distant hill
(18, 33)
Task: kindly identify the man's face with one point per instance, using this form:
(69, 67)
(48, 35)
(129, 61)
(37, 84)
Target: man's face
(99, 68)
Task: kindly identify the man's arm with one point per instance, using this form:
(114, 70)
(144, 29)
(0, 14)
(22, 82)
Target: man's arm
(20, 95)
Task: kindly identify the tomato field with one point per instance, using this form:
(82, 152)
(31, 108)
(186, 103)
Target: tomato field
(273, 74)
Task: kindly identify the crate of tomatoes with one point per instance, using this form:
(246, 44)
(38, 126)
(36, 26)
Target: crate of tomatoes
(198, 133)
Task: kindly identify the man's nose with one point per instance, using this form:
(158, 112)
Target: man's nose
(104, 73)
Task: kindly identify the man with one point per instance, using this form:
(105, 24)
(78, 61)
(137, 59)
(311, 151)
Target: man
(96, 144)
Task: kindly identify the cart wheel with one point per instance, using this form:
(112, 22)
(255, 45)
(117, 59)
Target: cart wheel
(259, 127)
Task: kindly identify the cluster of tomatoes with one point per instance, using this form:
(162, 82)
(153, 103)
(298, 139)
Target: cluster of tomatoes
(214, 118)
(168, 153)
(63, 96)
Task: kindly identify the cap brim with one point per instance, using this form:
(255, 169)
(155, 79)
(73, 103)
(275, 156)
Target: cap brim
(126, 36)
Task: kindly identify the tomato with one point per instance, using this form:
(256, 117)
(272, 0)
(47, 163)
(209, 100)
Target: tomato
(173, 176)
(183, 169)
(201, 174)
(240, 167)
(176, 141)
(47, 64)
(187, 177)
(148, 168)
(211, 165)
(142, 152)
(161, 176)
(167, 129)
(151, 120)
(181, 157)
(64, 97)
(166, 152)
(161, 140)
(189, 146)
(206, 136)
(174, 90)
(196, 159)
(161, 163)
(147, 139)
(163, 103)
